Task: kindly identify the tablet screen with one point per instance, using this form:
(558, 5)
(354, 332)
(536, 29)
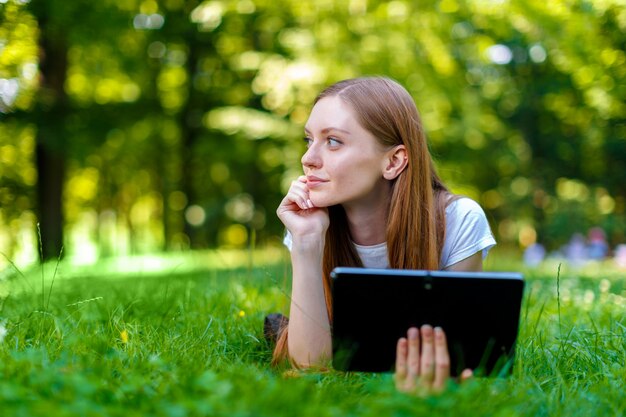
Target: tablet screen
(373, 308)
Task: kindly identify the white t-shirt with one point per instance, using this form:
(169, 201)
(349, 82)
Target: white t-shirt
(467, 232)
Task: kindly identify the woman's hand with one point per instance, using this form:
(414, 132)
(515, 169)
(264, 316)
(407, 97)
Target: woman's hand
(423, 361)
(298, 213)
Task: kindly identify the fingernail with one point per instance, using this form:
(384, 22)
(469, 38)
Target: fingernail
(427, 331)
(438, 332)
(412, 333)
(310, 203)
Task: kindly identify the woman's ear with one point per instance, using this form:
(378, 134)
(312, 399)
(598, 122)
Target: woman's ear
(396, 161)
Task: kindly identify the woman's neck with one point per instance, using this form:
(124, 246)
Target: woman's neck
(368, 223)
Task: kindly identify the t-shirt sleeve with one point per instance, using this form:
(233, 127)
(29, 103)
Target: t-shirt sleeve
(287, 241)
(467, 232)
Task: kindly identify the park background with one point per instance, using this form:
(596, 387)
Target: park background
(132, 127)
(144, 147)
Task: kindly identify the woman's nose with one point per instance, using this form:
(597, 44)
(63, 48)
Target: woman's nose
(311, 158)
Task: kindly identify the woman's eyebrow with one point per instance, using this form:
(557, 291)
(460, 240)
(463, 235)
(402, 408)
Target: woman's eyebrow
(328, 129)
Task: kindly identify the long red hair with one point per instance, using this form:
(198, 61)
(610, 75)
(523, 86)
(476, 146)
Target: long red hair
(416, 222)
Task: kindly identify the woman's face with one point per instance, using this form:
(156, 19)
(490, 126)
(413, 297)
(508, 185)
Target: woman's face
(344, 163)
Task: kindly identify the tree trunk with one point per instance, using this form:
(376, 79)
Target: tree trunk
(51, 171)
(50, 116)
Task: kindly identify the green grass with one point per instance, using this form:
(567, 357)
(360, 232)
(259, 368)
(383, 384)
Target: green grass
(186, 340)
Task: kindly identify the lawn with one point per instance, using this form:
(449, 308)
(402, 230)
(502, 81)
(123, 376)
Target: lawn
(181, 335)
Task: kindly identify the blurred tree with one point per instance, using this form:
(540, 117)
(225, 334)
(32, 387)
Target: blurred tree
(18, 176)
(51, 113)
(175, 123)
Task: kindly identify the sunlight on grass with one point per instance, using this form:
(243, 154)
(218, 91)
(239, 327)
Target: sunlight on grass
(183, 262)
(147, 265)
(181, 335)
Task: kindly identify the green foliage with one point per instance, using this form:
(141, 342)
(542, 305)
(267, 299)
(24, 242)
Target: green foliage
(179, 120)
(178, 343)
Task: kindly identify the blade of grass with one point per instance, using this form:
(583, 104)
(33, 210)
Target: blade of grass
(43, 290)
(558, 296)
(56, 268)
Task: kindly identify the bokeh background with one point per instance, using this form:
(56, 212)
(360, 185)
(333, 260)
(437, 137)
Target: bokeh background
(135, 126)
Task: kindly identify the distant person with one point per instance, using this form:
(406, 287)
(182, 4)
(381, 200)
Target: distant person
(534, 255)
(576, 250)
(598, 248)
(370, 197)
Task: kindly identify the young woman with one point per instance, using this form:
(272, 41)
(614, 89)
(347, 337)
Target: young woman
(370, 197)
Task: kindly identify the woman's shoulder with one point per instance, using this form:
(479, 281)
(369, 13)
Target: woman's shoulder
(465, 218)
(467, 231)
(461, 205)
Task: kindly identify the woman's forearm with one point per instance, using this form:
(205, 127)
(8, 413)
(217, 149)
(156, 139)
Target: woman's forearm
(309, 340)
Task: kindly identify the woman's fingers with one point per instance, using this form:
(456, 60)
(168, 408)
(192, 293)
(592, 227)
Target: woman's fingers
(423, 361)
(413, 356)
(401, 364)
(442, 360)
(302, 180)
(427, 363)
(408, 361)
(298, 194)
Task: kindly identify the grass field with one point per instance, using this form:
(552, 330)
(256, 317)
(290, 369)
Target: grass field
(182, 336)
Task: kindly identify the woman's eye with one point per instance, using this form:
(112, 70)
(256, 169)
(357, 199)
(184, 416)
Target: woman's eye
(308, 141)
(333, 142)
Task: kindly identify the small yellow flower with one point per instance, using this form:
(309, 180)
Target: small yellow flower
(242, 313)
(124, 336)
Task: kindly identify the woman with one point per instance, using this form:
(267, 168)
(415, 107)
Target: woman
(371, 197)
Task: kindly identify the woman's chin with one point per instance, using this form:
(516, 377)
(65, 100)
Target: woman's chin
(320, 201)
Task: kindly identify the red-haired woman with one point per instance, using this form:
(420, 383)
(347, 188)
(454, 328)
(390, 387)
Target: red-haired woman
(370, 197)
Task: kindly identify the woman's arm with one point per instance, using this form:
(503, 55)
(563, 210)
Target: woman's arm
(309, 339)
(473, 263)
(308, 336)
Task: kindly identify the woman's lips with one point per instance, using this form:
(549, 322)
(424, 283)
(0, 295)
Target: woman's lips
(312, 181)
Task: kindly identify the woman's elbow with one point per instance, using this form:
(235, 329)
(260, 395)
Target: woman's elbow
(307, 356)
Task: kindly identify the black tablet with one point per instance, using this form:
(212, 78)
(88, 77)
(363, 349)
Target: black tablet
(373, 308)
